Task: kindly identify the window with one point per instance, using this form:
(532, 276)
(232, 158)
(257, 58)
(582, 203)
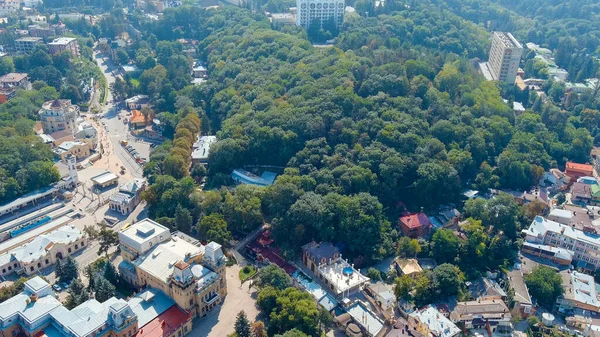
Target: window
(3, 271)
(9, 268)
(31, 268)
(47, 262)
(39, 265)
(69, 250)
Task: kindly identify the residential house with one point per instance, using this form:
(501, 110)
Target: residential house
(138, 102)
(138, 120)
(325, 261)
(201, 149)
(579, 292)
(588, 180)
(581, 193)
(358, 320)
(595, 189)
(383, 294)
(15, 80)
(315, 254)
(128, 197)
(576, 170)
(483, 314)
(555, 180)
(522, 299)
(429, 322)
(485, 289)
(7, 94)
(409, 267)
(414, 225)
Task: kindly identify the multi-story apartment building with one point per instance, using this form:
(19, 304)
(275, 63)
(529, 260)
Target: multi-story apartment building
(64, 43)
(58, 115)
(320, 11)
(504, 58)
(584, 246)
(191, 274)
(27, 44)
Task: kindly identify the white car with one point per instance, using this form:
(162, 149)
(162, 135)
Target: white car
(56, 287)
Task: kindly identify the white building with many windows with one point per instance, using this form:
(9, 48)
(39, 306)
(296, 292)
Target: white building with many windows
(504, 58)
(321, 11)
(585, 246)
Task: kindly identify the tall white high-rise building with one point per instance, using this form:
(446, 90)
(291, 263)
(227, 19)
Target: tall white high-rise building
(505, 55)
(323, 11)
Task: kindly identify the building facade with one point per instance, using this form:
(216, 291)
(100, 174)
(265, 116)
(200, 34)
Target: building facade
(78, 149)
(37, 312)
(128, 197)
(58, 115)
(585, 246)
(26, 45)
(44, 251)
(320, 12)
(504, 58)
(64, 44)
(12, 80)
(191, 274)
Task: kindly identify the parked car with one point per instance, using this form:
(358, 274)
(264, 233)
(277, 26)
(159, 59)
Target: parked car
(56, 287)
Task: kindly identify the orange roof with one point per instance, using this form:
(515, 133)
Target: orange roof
(415, 220)
(584, 168)
(138, 117)
(165, 324)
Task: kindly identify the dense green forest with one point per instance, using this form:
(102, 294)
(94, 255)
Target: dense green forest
(395, 112)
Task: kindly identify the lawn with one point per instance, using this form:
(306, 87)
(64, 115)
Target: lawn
(247, 271)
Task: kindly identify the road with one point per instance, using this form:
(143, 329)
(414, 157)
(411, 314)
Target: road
(113, 129)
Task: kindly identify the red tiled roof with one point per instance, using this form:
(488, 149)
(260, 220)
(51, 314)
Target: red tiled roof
(415, 220)
(583, 168)
(138, 117)
(165, 324)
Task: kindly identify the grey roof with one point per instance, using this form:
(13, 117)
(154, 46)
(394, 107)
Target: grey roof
(517, 283)
(366, 318)
(132, 186)
(484, 287)
(437, 323)
(35, 284)
(28, 198)
(28, 310)
(37, 248)
(121, 198)
(104, 177)
(148, 304)
(160, 260)
(321, 250)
